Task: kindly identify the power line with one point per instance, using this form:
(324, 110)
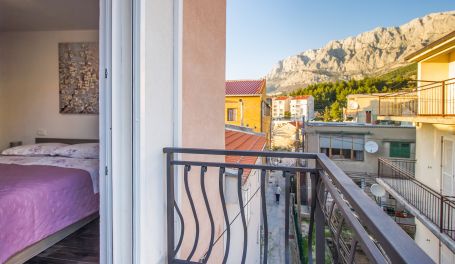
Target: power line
(230, 224)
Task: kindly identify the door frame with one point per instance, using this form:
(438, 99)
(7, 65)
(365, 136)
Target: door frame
(368, 117)
(116, 174)
(157, 56)
(105, 125)
(443, 140)
(133, 198)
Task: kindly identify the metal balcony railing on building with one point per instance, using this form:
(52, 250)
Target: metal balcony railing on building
(429, 98)
(358, 227)
(439, 209)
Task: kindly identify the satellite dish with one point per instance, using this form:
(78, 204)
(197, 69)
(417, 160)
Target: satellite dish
(353, 105)
(371, 147)
(377, 190)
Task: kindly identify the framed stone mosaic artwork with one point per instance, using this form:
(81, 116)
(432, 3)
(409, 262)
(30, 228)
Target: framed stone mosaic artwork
(79, 77)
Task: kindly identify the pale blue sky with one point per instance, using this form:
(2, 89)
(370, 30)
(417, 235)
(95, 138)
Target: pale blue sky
(261, 32)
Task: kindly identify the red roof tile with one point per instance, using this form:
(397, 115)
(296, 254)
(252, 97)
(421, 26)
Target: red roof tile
(293, 123)
(281, 98)
(244, 87)
(238, 140)
(300, 97)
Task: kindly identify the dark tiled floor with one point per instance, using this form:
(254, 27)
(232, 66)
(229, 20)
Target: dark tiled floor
(79, 247)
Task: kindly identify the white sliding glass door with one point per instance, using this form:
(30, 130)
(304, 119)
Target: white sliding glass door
(116, 122)
(448, 179)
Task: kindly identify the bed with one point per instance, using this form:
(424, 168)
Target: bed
(43, 200)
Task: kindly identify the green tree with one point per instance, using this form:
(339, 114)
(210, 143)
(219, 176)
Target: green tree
(330, 97)
(335, 112)
(287, 115)
(327, 117)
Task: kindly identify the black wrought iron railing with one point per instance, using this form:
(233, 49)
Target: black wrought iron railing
(405, 167)
(359, 228)
(429, 98)
(439, 209)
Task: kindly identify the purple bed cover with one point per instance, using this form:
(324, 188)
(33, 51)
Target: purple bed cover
(38, 201)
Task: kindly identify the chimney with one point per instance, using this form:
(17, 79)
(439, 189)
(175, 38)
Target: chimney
(241, 112)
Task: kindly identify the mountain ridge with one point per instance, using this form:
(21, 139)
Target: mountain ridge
(373, 52)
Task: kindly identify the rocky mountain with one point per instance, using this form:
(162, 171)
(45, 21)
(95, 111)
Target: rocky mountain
(369, 53)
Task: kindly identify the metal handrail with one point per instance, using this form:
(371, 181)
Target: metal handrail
(433, 98)
(415, 89)
(397, 163)
(334, 195)
(420, 88)
(438, 208)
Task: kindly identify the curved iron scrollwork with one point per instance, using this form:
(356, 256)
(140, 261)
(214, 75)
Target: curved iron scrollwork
(359, 229)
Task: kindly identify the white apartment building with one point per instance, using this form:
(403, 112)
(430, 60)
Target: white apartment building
(280, 105)
(301, 106)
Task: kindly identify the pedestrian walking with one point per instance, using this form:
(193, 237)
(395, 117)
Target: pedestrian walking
(277, 193)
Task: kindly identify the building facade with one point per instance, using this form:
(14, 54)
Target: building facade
(247, 105)
(430, 106)
(280, 107)
(285, 134)
(344, 143)
(362, 108)
(302, 106)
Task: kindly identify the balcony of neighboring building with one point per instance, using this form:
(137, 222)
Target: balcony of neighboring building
(432, 97)
(429, 102)
(433, 209)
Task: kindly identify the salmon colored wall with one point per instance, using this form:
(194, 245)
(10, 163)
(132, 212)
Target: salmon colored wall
(203, 77)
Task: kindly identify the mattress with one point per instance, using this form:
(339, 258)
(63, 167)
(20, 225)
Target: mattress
(89, 165)
(37, 201)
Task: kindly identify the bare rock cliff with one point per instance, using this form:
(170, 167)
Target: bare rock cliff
(373, 52)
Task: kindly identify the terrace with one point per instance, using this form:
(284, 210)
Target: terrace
(360, 231)
(430, 101)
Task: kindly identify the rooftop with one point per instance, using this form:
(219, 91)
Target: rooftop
(435, 46)
(366, 95)
(280, 98)
(346, 124)
(243, 140)
(301, 97)
(294, 123)
(245, 87)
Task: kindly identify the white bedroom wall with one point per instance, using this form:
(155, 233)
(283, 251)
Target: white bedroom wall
(29, 88)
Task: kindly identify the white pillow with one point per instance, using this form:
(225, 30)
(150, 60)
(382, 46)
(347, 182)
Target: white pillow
(42, 149)
(79, 151)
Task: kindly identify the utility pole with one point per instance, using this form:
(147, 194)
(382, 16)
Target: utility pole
(241, 112)
(299, 147)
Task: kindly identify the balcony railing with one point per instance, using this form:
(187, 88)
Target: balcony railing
(430, 98)
(439, 209)
(359, 228)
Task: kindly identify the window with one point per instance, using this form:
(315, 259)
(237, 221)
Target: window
(400, 150)
(231, 114)
(342, 146)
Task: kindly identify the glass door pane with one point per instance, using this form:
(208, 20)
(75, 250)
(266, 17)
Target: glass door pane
(447, 168)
